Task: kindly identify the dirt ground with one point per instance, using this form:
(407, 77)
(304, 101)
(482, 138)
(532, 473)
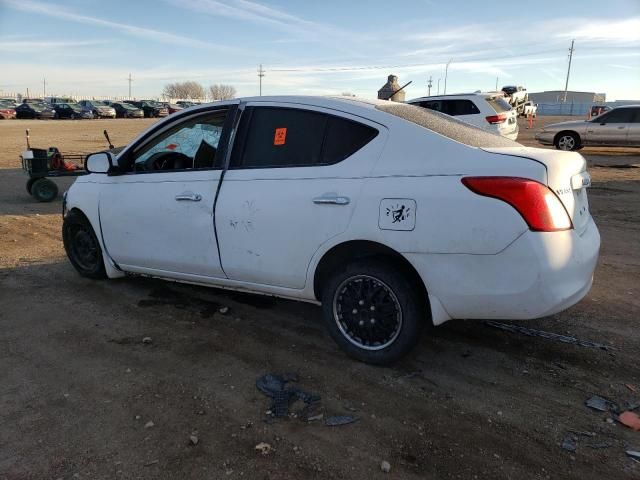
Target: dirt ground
(78, 387)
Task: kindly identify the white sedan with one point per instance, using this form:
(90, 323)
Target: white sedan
(391, 216)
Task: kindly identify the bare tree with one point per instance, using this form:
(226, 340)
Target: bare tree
(187, 90)
(222, 92)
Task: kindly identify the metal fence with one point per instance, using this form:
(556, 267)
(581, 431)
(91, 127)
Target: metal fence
(576, 109)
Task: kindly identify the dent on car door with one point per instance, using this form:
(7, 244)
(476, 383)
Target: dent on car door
(293, 183)
(157, 217)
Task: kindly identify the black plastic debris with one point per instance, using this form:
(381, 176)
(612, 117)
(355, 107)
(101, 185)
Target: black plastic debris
(601, 404)
(570, 443)
(339, 420)
(509, 327)
(282, 395)
(633, 454)
(599, 446)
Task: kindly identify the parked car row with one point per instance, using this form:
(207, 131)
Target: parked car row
(68, 108)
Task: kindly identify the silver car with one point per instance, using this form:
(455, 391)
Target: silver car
(619, 127)
(99, 108)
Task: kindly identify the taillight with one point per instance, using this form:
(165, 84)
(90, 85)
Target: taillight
(539, 206)
(500, 118)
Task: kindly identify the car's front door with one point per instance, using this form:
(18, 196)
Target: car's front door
(157, 218)
(610, 128)
(633, 133)
(293, 183)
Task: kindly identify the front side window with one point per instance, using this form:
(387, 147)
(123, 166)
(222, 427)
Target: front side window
(191, 144)
(272, 137)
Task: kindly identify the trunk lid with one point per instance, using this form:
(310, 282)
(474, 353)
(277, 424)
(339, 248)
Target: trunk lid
(567, 176)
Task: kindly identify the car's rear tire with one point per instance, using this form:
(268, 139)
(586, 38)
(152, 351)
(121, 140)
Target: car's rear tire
(373, 311)
(82, 246)
(567, 141)
(44, 190)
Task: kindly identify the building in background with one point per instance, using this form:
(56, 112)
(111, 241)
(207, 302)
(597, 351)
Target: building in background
(557, 96)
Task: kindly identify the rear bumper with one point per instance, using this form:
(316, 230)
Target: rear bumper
(539, 274)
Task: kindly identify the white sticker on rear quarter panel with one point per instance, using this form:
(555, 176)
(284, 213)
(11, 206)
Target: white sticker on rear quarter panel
(397, 214)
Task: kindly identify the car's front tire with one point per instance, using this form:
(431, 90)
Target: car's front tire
(82, 246)
(567, 141)
(373, 311)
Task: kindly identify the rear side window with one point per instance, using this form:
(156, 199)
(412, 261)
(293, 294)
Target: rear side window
(271, 137)
(499, 104)
(459, 107)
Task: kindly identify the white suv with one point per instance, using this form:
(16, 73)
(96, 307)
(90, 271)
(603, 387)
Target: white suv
(392, 216)
(489, 111)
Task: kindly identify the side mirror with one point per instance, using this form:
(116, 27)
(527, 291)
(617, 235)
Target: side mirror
(101, 162)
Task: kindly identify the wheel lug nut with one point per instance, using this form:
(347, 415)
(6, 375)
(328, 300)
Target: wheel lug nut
(373, 320)
(372, 308)
(354, 311)
(361, 302)
(361, 322)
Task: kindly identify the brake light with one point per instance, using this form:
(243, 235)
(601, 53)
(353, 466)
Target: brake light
(500, 118)
(536, 203)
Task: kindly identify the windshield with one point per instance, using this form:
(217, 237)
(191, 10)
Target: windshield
(445, 125)
(127, 106)
(38, 107)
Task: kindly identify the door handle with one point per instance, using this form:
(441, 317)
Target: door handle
(620, 128)
(331, 199)
(188, 196)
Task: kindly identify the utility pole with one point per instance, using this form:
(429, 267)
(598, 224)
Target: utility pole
(130, 80)
(446, 72)
(566, 85)
(429, 86)
(496, 84)
(260, 75)
(44, 87)
(439, 86)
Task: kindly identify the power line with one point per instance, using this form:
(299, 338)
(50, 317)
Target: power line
(407, 65)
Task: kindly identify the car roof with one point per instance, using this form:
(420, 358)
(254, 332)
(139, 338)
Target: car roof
(453, 95)
(626, 106)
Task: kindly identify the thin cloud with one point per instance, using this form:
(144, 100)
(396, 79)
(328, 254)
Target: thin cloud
(37, 46)
(56, 11)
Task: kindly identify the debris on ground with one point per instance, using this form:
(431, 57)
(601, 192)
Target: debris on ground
(147, 340)
(149, 424)
(193, 440)
(385, 466)
(339, 420)
(584, 434)
(631, 387)
(152, 462)
(264, 448)
(570, 443)
(275, 386)
(599, 446)
(548, 335)
(633, 454)
(601, 404)
(630, 419)
(224, 310)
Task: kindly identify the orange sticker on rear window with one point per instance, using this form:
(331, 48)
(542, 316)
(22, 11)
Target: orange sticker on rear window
(280, 136)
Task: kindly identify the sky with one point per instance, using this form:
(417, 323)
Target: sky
(89, 47)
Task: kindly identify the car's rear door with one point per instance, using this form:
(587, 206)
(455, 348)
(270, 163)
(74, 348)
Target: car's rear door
(610, 128)
(158, 217)
(295, 176)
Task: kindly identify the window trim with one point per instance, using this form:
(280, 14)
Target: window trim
(241, 136)
(160, 129)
